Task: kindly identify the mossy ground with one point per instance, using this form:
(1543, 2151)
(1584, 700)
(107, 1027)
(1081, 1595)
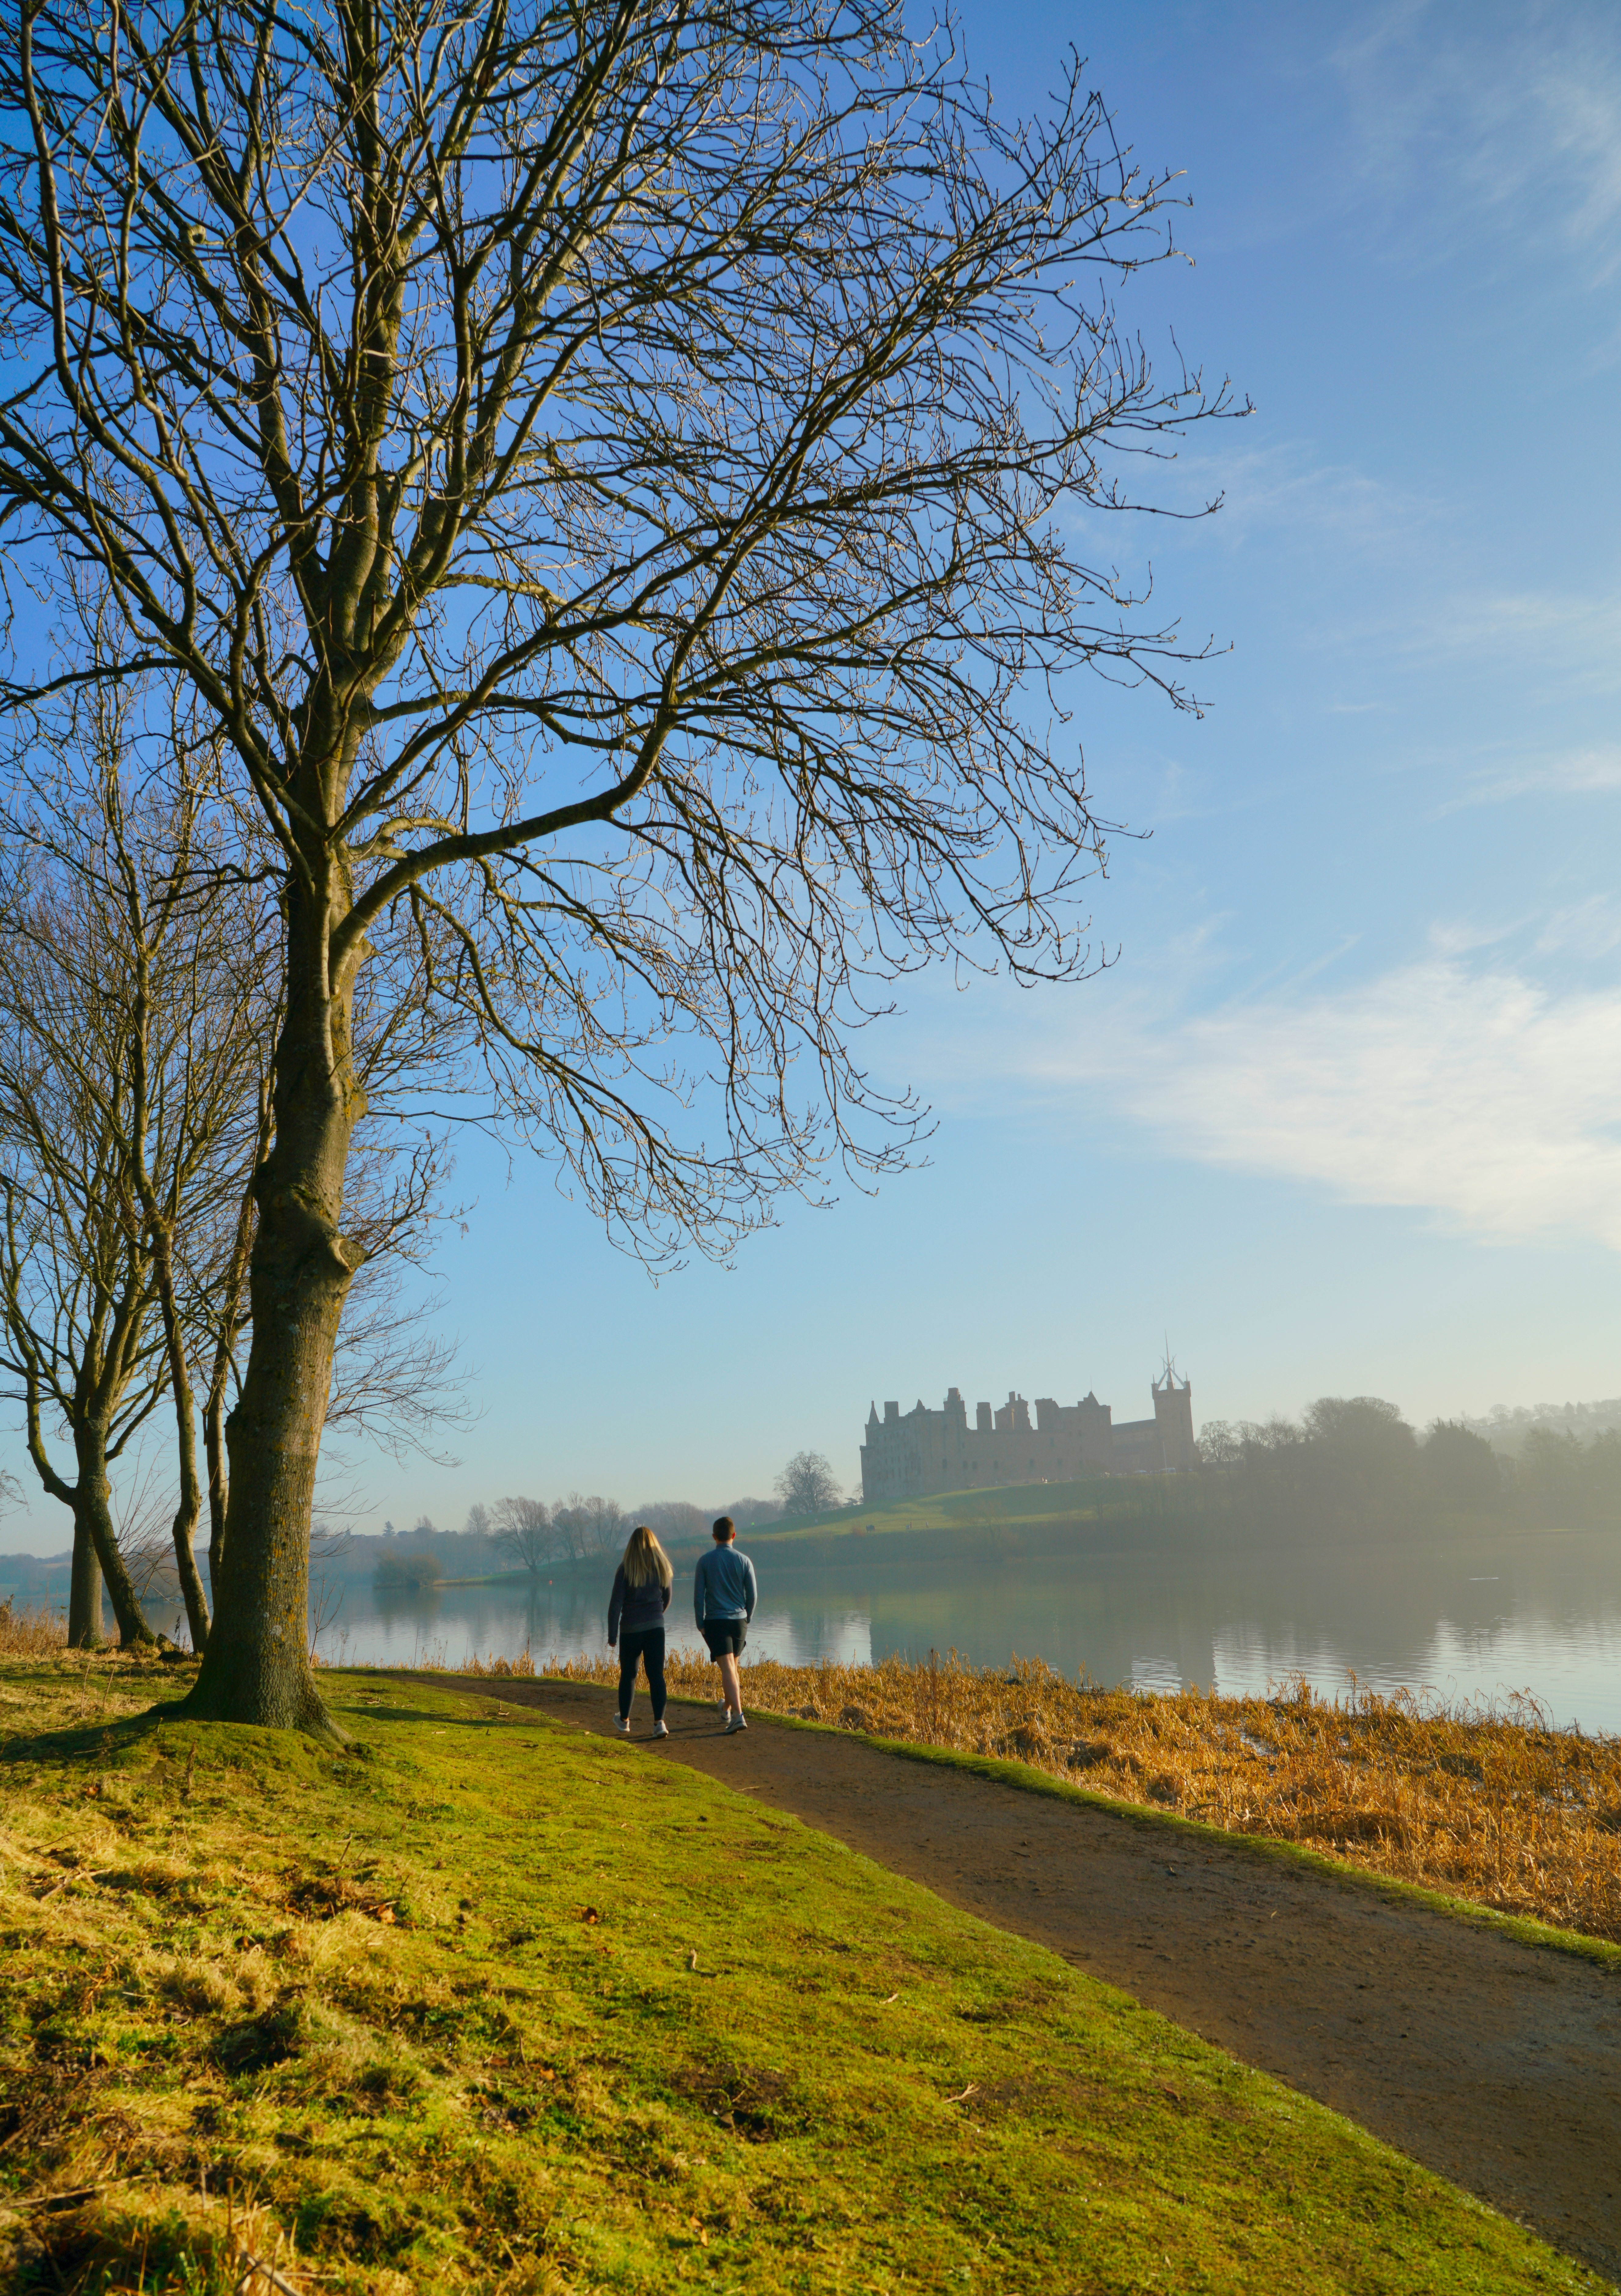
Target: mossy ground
(489, 2004)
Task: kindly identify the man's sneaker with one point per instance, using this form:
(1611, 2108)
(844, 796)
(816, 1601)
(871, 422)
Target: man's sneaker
(735, 1722)
(622, 1723)
(661, 1729)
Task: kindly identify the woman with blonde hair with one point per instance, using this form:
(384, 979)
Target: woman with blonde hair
(635, 1621)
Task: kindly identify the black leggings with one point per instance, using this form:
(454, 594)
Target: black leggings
(648, 1646)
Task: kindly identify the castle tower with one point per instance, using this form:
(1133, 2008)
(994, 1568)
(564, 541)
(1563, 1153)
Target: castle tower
(1174, 1415)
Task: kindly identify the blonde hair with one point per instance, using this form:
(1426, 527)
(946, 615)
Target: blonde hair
(645, 1560)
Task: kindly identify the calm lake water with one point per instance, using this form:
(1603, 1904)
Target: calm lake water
(1534, 1613)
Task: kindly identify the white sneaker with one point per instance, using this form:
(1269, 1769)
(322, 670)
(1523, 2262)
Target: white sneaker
(661, 1729)
(622, 1723)
(734, 1723)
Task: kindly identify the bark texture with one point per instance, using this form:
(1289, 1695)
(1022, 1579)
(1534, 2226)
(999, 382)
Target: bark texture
(189, 1504)
(257, 1668)
(92, 1507)
(85, 1594)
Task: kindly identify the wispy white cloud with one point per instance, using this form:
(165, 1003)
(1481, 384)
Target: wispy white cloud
(1563, 647)
(1592, 771)
(1565, 633)
(1470, 1092)
(1452, 937)
(1587, 929)
(1284, 487)
(1500, 110)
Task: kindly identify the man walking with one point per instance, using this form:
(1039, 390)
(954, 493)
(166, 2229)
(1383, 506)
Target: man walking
(724, 1595)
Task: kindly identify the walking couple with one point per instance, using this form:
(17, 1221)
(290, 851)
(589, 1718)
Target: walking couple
(724, 1595)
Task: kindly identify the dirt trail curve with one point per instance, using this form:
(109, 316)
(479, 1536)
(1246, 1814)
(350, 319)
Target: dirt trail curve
(1496, 2063)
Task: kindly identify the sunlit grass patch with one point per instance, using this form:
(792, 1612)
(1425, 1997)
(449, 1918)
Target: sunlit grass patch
(488, 2003)
(1492, 1805)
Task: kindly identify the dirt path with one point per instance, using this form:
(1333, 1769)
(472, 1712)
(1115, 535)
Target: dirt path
(1498, 2064)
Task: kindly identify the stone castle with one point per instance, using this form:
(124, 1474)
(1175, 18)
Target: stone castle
(929, 1451)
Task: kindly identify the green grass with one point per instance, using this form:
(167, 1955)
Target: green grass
(626, 2032)
(1002, 1507)
(1095, 1509)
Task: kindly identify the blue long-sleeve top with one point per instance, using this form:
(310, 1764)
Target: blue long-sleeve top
(724, 1586)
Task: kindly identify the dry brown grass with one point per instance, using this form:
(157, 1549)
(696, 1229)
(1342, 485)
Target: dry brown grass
(30, 1634)
(1488, 1804)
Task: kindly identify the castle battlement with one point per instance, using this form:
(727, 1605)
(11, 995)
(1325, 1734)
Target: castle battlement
(927, 1451)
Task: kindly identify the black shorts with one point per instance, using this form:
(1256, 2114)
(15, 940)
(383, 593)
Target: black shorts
(725, 1634)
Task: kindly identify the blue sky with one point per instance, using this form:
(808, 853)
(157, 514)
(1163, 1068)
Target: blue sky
(1342, 1115)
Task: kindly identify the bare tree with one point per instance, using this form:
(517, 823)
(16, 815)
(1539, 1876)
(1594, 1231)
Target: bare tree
(524, 1532)
(200, 1010)
(806, 1485)
(1221, 1444)
(676, 1519)
(584, 1528)
(620, 481)
(128, 1029)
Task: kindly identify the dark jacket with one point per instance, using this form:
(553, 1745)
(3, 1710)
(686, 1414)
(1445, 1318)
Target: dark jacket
(635, 1608)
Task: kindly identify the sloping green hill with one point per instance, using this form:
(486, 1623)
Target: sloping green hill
(1093, 1508)
(489, 2005)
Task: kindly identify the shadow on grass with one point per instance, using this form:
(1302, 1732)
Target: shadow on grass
(107, 1744)
(132, 1742)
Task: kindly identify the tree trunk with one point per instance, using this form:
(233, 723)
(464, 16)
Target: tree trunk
(214, 1453)
(225, 1338)
(92, 1507)
(190, 1502)
(185, 1564)
(256, 1666)
(84, 1596)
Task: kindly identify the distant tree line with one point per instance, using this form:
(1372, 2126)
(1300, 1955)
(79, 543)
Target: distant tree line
(1506, 1425)
(527, 1534)
(1356, 1460)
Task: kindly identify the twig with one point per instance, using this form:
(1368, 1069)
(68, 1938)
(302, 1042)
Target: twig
(972, 2090)
(74, 1873)
(72, 2197)
(258, 2264)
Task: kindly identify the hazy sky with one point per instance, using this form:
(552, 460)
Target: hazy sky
(1343, 1115)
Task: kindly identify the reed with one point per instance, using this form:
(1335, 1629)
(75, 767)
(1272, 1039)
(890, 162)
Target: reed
(30, 1634)
(1487, 1802)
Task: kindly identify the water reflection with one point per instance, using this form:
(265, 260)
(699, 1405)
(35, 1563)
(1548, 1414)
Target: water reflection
(1529, 1614)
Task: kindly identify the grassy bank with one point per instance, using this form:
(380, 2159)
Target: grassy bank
(1044, 1508)
(489, 2005)
(1103, 1514)
(1496, 1807)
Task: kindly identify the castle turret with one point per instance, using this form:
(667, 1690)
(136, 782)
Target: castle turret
(1173, 1414)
